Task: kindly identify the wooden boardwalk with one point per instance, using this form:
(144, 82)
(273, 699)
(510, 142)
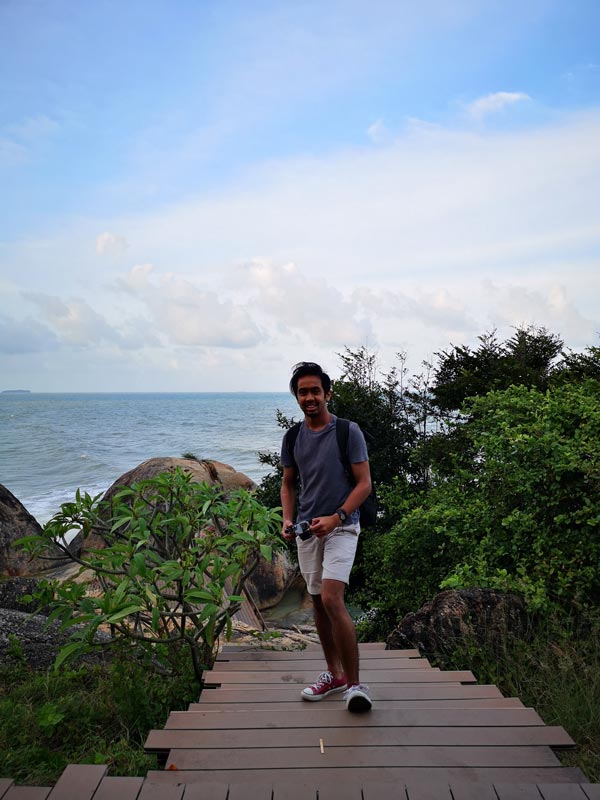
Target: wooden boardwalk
(432, 734)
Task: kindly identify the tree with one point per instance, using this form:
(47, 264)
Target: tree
(528, 358)
(522, 513)
(175, 561)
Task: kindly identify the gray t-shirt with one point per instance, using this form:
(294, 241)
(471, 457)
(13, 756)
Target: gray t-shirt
(324, 483)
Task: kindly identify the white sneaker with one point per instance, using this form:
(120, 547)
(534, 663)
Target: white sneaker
(357, 698)
(324, 685)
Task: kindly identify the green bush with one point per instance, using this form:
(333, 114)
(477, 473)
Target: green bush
(172, 549)
(522, 514)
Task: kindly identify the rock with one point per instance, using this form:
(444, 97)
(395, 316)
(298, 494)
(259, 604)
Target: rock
(25, 638)
(274, 639)
(13, 590)
(210, 471)
(453, 617)
(269, 582)
(15, 522)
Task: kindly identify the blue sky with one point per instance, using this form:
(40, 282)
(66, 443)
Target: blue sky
(196, 195)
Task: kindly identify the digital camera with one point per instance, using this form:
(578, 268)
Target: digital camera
(301, 529)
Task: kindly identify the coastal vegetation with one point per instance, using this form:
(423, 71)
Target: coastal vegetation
(487, 466)
(170, 557)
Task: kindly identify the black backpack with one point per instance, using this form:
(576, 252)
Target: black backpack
(368, 510)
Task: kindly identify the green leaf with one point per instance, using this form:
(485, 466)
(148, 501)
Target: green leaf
(69, 651)
(124, 612)
(266, 552)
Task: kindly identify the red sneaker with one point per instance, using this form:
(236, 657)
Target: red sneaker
(325, 684)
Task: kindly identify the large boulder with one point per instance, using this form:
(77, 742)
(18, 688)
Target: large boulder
(209, 471)
(212, 472)
(15, 522)
(455, 617)
(269, 582)
(29, 639)
(15, 591)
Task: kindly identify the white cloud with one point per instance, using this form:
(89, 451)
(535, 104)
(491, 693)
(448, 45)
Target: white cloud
(295, 303)
(25, 336)
(74, 321)
(378, 132)
(187, 315)
(110, 244)
(34, 128)
(552, 307)
(11, 153)
(492, 103)
(389, 246)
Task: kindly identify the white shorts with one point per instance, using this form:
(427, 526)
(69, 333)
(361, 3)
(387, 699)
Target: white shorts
(328, 557)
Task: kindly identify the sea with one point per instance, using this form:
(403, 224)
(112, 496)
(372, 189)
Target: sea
(53, 444)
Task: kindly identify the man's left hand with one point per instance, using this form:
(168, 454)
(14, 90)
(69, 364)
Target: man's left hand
(321, 526)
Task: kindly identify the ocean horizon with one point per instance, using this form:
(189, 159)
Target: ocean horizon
(53, 443)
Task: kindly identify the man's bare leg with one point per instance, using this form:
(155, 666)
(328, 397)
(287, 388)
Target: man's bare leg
(336, 630)
(323, 626)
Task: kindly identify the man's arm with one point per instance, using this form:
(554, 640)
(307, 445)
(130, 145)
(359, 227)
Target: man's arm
(361, 473)
(288, 500)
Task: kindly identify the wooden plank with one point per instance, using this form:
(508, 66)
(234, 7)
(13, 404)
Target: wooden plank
(206, 791)
(317, 666)
(517, 791)
(564, 791)
(252, 648)
(27, 793)
(78, 781)
(380, 691)
(239, 791)
(473, 791)
(420, 791)
(161, 791)
(497, 702)
(118, 787)
(308, 655)
(591, 790)
(368, 756)
(333, 792)
(308, 717)
(163, 740)
(295, 791)
(5, 784)
(376, 790)
(370, 676)
(368, 775)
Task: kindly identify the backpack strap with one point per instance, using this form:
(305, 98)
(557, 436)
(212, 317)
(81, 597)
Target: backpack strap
(290, 442)
(342, 432)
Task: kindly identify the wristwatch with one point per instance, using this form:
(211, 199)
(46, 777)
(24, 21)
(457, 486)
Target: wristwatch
(341, 514)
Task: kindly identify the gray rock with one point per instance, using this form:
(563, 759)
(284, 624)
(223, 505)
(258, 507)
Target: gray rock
(15, 522)
(207, 471)
(14, 590)
(455, 617)
(26, 637)
(270, 580)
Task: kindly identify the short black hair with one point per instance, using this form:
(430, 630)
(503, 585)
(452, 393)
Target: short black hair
(308, 368)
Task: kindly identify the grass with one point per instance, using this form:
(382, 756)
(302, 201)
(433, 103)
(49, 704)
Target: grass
(557, 672)
(88, 715)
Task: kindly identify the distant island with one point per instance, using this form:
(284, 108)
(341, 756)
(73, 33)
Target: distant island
(16, 391)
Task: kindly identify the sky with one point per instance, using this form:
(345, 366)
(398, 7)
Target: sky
(196, 195)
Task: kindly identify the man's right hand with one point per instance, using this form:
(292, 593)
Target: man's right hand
(289, 537)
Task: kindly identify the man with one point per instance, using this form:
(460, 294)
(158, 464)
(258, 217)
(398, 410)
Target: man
(329, 500)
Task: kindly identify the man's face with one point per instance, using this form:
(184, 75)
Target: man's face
(311, 397)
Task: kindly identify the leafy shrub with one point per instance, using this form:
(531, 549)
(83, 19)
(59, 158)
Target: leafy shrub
(523, 514)
(172, 548)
